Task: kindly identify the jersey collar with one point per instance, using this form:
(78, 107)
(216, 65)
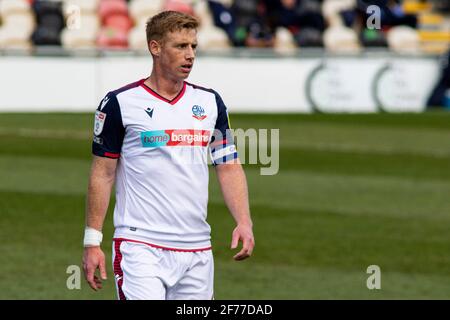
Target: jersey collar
(156, 95)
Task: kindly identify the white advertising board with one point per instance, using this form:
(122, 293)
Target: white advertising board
(267, 85)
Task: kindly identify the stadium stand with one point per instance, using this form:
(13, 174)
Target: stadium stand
(408, 26)
(341, 39)
(339, 36)
(14, 13)
(82, 24)
(210, 36)
(115, 24)
(50, 23)
(403, 39)
(433, 25)
(140, 11)
(178, 5)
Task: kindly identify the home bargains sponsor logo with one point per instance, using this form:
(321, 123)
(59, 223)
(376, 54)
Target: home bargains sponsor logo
(172, 138)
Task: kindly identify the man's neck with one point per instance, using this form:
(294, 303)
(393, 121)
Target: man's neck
(165, 87)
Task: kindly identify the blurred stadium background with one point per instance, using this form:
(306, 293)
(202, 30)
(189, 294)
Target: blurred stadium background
(364, 151)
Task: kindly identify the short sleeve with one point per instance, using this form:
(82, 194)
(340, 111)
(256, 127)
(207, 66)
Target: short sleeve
(222, 145)
(108, 128)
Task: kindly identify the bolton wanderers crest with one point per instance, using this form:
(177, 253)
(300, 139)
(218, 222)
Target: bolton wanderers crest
(198, 113)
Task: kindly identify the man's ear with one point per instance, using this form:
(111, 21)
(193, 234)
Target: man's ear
(154, 47)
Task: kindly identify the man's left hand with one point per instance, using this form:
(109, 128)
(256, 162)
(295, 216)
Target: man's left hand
(244, 233)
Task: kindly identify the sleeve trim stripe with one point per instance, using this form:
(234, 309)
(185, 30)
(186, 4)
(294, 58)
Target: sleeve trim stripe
(219, 143)
(112, 155)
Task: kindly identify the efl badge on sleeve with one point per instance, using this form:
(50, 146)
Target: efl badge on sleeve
(99, 122)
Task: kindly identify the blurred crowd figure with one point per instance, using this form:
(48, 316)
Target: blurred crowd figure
(253, 23)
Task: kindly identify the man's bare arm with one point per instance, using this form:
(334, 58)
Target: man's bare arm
(233, 183)
(101, 181)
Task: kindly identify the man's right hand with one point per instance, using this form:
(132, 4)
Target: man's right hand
(94, 258)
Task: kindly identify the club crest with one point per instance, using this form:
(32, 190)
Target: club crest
(198, 113)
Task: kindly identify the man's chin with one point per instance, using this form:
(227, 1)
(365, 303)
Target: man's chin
(179, 76)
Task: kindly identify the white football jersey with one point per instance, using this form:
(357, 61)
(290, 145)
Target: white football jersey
(162, 172)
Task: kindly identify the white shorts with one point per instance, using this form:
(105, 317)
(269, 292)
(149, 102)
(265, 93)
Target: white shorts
(143, 272)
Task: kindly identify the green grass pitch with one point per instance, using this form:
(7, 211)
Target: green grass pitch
(352, 191)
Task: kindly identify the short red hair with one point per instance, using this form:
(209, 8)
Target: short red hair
(169, 21)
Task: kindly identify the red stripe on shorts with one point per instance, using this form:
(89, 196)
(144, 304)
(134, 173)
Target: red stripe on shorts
(118, 272)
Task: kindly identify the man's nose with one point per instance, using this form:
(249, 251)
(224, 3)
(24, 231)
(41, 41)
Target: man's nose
(190, 54)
